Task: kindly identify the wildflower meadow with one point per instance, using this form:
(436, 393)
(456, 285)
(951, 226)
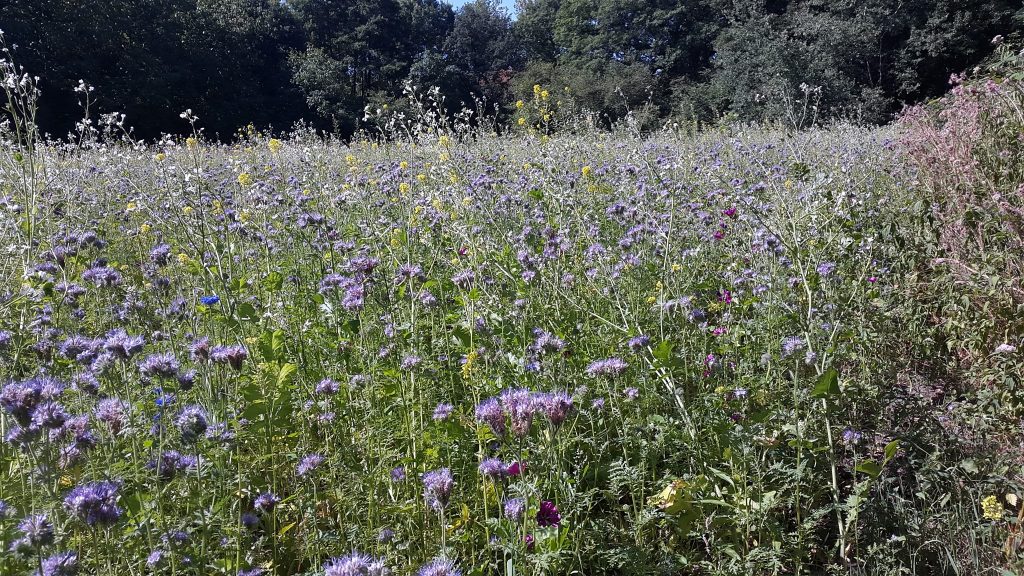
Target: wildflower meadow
(445, 350)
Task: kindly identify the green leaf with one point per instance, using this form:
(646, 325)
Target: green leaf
(247, 312)
(870, 467)
(285, 373)
(273, 282)
(828, 384)
(891, 448)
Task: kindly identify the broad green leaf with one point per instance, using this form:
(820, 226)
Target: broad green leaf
(828, 384)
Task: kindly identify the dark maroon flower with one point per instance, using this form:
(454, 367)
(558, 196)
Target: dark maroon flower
(548, 514)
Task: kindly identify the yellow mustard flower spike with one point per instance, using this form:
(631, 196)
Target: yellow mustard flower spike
(245, 179)
(275, 145)
(992, 508)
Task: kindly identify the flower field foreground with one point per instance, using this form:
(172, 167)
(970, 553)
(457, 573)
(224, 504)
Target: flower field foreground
(571, 355)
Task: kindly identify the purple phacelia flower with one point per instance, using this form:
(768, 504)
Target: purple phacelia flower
(266, 502)
(94, 503)
(439, 567)
(163, 365)
(442, 412)
(490, 412)
(121, 345)
(437, 488)
(192, 422)
(514, 509)
(308, 464)
(493, 468)
(233, 356)
(607, 367)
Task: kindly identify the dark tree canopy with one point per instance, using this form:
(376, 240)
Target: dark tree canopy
(273, 62)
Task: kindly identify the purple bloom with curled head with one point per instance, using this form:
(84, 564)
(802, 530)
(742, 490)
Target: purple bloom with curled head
(121, 345)
(308, 464)
(597, 404)
(6, 337)
(514, 509)
(490, 412)
(439, 567)
(49, 415)
(37, 530)
(192, 422)
(826, 268)
(607, 367)
(250, 521)
(791, 345)
(548, 514)
(493, 468)
(631, 393)
(464, 279)
(409, 272)
(354, 564)
(160, 366)
(355, 298)
(638, 343)
(102, 276)
(233, 356)
(546, 342)
(6, 510)
(437, 488)
(851, 437)
(266, 501)
(59, 564)
(19, 399)
(398, 474)
(442, 411)
(159, 254)
(521, 405)
(328, 387)
(557, 406)
(199, 349)
(410, 362)
(95, 503)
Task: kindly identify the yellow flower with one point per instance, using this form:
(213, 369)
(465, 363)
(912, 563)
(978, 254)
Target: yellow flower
(350, 159)
(404, 165)
(467, 368)
(183, 258)
(130, 206)
(587, 171)
(536, 89)
(421, 178)
(243, 216)
(544, 95)
(520, 104)
(404, 188)
(275, 145)
(676, 267)
(547, 117)
(145, 228)
(522, 121)
(191, 142)
(444, 141)
(187, 210)
(651, 299)
(160, 156)
(992, 508)
(245, 179)
(444, 157)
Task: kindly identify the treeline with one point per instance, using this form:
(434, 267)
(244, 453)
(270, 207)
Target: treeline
(273, 62)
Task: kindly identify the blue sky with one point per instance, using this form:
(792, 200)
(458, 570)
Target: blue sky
(509, 4)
